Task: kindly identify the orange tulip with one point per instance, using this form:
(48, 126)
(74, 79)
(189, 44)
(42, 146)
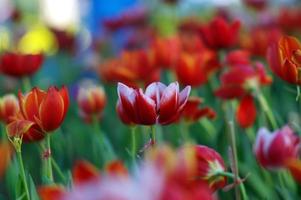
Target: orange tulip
(5, 153)
(284, 58)
(40, 112)
(9, 107)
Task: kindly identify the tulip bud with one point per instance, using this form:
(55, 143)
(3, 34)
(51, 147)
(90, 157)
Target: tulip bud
(9, 107)
(209, 164)
(91, 101)
(272, 150)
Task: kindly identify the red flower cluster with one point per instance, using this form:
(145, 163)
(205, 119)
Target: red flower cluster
(40, 113)
(158, 104)
(19, 65)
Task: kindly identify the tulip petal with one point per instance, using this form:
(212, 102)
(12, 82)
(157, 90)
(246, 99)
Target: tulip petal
(65, 95)
(183, 97)
(51, 192)
(145, 109)
(169, 103)
(127, 97)
(52, 110)
(294, 166)
(123, 115)
(246, 112)
(18, 127)
(290, 72)
(155, 91)
(5, 156)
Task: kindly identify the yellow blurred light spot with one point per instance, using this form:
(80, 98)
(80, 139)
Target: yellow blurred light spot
(38, 39)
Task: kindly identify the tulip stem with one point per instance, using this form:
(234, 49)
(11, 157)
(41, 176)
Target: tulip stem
(22, 171)
(234, 155)
(298, 93)
(266, 108)
(241, 185)
(26, 84)
(47, 154)
(134, 144)
(153, 135)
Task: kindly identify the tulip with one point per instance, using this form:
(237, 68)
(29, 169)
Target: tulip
(9, 108)
(5, 156)
(40, 113)
(192, 112)
(294, 166)
(158, 104)
(284, 58)
(256, 4)
(91, 100)
(84, 172)
(238, 58)
(273, 150)
(209, 165)
(127, 68)
(52, 192)
(195, 69)
(19, 65)
(246, 112)
(289, 18)
(220, 34)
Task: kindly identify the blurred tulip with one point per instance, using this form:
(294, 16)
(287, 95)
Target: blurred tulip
(273, 150)
(166, 51)
(238, 58)
(52, 192)
(19, 65)
(220, 34)
(91, 100)
(192, 112)
(158, 104)
(246, 112)
(289, 18)
(256, 4)
(133, 68)
(284, 58)
(40, 113)
(237, 80)
(9, 107)
(195, 69)
(209, 164)
(294, 166)
(84, 172)
(257, 40)
(66, 41)
(5, 156)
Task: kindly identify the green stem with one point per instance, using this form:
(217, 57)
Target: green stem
(153, 135)
(298, 93)
(26, 84)
(22, 171)
(185, 131)
(58, 170)
(266, 108)
(234, 154)
(134, 144)
(241, 185)
(49, 173)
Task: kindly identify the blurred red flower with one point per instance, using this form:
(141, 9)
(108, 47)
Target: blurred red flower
(289, 19)
(246, 112)
(134, 68)
(19, 65)
(294, 166)
(66, 41)
(258, 39)
(195, 69)
(40, 113)
(284, 58)
(9, 107)
(192, 112)
(272, 150)
(91, 100)
(220, 34)
(158, 104)
(256, 4)
(5, 156)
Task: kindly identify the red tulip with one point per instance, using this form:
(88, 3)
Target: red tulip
(220, 34)
(289, 19)
(84, 172)
(40, 113)
(128, 68)
(192, 112)
(237, 80)
(66, 41)
(52, 192)
(284, 58)
(210, 163)
(18, 65)
(91, 100)
(158, 104)
(5, 156)
(9, 108)
(238, 58)
(256, 4)
(246, 112)
(195, 69)
(272, 150)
